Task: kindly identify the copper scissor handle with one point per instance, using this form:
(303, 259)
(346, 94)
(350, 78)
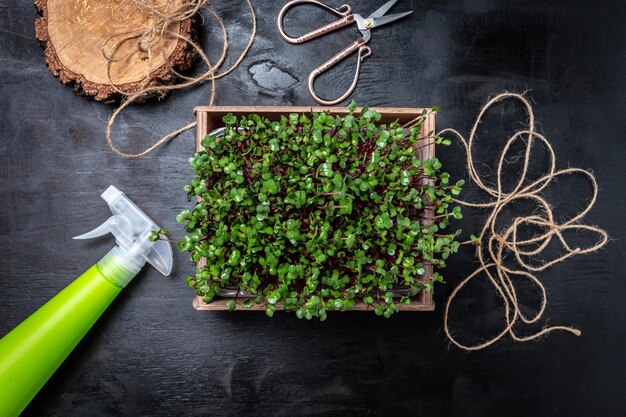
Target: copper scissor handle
(364, 52)
(345, 11)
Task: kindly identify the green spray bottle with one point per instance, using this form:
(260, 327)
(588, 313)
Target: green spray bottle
(31, 352)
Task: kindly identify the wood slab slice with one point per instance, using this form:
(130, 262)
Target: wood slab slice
(73, 33)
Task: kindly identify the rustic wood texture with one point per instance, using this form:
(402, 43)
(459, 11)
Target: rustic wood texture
(209, 118)
(74, 32)
(152, 354)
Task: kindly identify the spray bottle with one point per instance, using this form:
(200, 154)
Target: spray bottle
(32, 352)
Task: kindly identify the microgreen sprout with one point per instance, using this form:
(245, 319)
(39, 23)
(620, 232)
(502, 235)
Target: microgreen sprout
(318, 212)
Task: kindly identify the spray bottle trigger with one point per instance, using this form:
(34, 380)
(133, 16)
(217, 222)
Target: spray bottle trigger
(131, 228)
(108, 226)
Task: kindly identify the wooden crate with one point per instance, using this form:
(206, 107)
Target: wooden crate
(209, 118)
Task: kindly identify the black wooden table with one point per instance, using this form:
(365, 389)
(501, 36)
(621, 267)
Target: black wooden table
(151, 354)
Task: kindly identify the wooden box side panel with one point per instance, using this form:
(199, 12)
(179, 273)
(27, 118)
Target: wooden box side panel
(209, 118)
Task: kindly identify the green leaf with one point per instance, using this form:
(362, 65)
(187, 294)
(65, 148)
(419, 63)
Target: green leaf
(389, 297)
(317, 136)
(383, 221)
(229, 119)
(184, 215)
(274, 297)
(234, 257)
(271, 186)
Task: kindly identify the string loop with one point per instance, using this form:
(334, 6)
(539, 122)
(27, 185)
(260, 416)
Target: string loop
(497, 244)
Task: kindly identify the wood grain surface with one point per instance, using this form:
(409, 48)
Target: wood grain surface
(75, 33)
(151, 354)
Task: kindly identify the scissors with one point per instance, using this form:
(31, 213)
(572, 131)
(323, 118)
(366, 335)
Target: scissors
(374, 20)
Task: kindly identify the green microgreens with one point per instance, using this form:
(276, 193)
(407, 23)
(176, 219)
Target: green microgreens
(318, 212)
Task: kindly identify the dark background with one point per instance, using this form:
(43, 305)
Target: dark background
(152, 354)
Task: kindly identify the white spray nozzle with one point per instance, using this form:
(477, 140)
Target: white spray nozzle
(132, 229)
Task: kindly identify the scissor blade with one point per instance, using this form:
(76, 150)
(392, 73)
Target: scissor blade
(383, 9)
(379, 21)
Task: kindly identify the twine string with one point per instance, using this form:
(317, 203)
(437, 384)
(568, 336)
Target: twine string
(151, 39)
(497, 244)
